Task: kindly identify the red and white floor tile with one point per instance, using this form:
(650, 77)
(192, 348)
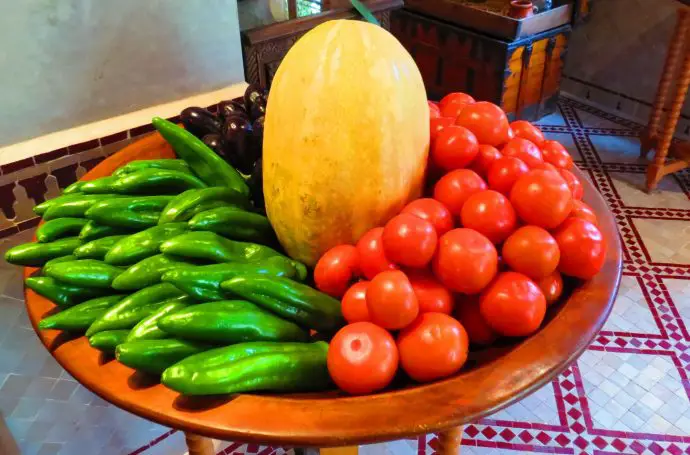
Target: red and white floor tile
(629, 393)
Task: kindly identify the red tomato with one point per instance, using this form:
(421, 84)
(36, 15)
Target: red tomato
(467, 312)
(336, 269)
(525, 151)
(454, 148)
(542, 198)
(434, 346)
(505, 172)
(465, 261)
(552, 287)
(391, 300)
(548, 167)
(554, 153)
(453, 103)
(489, 213)
(434, 110)
(531, 251)
(526, 130)
(583, 248)
(455, 187)
(513, 305)
(432, 211)
(487, 121)
(573, 183)
(409, 240)
(354, 303)
(582, 210)
(372, 259)
(437, 124)
(486, 157)
(431, 295)
(511, 135)
(362, 358)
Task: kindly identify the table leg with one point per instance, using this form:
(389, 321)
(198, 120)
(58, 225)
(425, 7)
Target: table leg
(449, 441)
(199, 445)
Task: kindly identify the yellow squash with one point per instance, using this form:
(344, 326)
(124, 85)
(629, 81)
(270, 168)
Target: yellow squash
(346, 137)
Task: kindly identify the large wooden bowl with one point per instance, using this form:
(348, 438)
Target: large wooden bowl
(494, 379)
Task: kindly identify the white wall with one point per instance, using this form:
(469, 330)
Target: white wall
(68, 62)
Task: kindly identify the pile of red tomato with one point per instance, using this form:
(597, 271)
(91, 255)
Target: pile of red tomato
(480, 259)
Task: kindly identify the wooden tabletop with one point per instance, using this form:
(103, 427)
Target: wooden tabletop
(494, 378)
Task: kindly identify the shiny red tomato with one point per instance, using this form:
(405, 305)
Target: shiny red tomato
(391, 300)
(432, 211)
(531, 251)
(453, 189)
(453, 103)
(454, 148)
(542, 198)
(434, 346)
(583, 248)
(431, 294)
(336, 269)
(362, 358)
(487, 121)
(554, 153)
(524, 150)
(582, 210)
(467, 312)
(372, 259)
(409, 240)
(552, 287)
(513, 305)
(505, 172)
(354, 303)
(434, 110)
(486, 157)
(490, 213)
(573, 183)
(437, 124)
(465, 261)
(526, 130)
(548, 167)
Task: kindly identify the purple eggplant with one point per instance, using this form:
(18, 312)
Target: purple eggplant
(229, 108)
(200, 121)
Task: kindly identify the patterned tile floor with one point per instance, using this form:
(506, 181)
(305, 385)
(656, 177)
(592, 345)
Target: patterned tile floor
(629, 393)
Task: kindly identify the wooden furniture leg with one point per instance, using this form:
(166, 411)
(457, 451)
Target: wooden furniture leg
(199, 445)
(449, 441)
(649, 135)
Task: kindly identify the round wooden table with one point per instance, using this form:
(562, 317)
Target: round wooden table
(492, 379)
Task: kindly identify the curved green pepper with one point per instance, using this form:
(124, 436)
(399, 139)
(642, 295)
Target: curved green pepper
(37, 254)
(289, 299)
(249, 367)
(89, 273)
(234, 223)
(230, 321)
(132, 309)
(59, 228)
(147, 272)
(108, 340)
(103, 185)
(67, 258)
(154, 356)
(41, 208)
(212, 247)
(163, 163)
(74, 187)
(62, 294)
(147, 328)
(204, 162)
(93, 231)
(76, 207)
(187, 204)
(80, 316)
(144, 244)
(156, 181)
(203, 282)
(129, 212)
(97, 249)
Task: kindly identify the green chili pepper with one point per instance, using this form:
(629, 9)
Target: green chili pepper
(89, 273)
(203, 282)
(37, 254)
(81, 316)
(97, 249)
(74, 187)
(147, 328)
(289, 299)
(75, 208)
(212, 247)
(204, 162)
(58, 228)
(103, 185)
(234, 223)
(156, 181)
(249, 367)
(107, 340)
(67, 258)
(164, 163)
(93, 231)
(144, 244)
(132, 309)
(230, 321)
(187, 204)
(62, 294)
(41, 208)
(129, 212)
(147, 272)
(154, 356)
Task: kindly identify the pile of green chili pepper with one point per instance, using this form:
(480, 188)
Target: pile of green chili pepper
(166, 265)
